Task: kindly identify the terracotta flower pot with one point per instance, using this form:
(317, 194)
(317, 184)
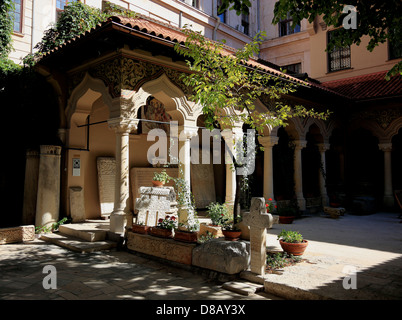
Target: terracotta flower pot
(297, 249)
(286, 219)
(140, 229)
(185, 236)
(159, 232)
(231, 235)
(158, 183)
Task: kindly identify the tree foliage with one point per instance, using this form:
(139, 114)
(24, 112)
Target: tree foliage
(6, 27)
(227, 87)
(377, 19)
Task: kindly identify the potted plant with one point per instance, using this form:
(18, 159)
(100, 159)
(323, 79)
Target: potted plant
(140, 227)
(270, 206)
(189, 225)
(164, 228)
(230, 230)
(218, 213)
(187, 232)
(292, 242)
(286, 214)
(160, 178)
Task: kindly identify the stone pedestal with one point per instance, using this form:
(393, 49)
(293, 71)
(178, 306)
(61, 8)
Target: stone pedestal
(48, 199)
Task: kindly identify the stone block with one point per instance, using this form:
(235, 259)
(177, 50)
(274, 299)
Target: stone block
(215, 231)
(334, 212)
(17, 234)
(168, 249)
(229, 257)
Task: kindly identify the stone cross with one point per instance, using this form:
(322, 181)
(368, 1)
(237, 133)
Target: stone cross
(259, 220)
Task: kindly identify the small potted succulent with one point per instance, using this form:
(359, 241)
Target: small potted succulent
(292, 242)
(160, 178)
(164, 228)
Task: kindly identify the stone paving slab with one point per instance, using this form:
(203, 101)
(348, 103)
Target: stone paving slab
(106, 275)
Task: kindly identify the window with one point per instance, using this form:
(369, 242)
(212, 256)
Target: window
(193, 3)
(222, 16)
(339, 58)
(17, 16)
(60, 4)
(293, 68)
(285, 26)
(245, 23)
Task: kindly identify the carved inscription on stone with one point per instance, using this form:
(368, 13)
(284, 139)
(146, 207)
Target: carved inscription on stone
(106, 183)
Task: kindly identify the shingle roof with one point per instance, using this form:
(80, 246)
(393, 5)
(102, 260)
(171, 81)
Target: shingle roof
(367, 86)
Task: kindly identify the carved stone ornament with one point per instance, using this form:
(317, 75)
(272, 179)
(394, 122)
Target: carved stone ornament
(124, 73)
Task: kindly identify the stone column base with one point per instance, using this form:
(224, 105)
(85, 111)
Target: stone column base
(119, 221)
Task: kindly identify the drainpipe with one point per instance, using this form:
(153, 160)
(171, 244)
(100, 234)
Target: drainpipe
(215, 15)
(33, 26)
(180, 19)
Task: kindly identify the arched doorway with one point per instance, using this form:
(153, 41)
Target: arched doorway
(364, 171)
(283, 163)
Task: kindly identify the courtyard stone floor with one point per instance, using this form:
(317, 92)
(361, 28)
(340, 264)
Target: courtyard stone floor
(371, 244)
(105, 275)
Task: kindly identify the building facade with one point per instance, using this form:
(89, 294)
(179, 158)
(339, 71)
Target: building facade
(310, 162)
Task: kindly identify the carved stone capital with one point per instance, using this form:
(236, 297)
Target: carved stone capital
(323, 147)
(268, 141)
(122, 125)
(300, 144)
(386, 147)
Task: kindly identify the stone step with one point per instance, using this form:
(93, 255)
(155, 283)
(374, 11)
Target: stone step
(86, 231)
(245, 288)
(77, 244)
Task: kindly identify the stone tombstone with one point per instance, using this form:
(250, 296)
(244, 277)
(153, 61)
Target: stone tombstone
(202, 182)
(48, 197)
(77, 204)
(155, 203)
(106, 183)
(259, 220)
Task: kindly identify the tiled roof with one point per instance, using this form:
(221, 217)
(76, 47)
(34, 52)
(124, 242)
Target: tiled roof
(367, 86)
(166, 32)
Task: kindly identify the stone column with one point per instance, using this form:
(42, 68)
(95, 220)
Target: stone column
(121, 216)
(186, 133)
(48, 198)
(388, 195)
(322, 147)
(298, 174)
(268, 142)
(230, 137)
(30, 187)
